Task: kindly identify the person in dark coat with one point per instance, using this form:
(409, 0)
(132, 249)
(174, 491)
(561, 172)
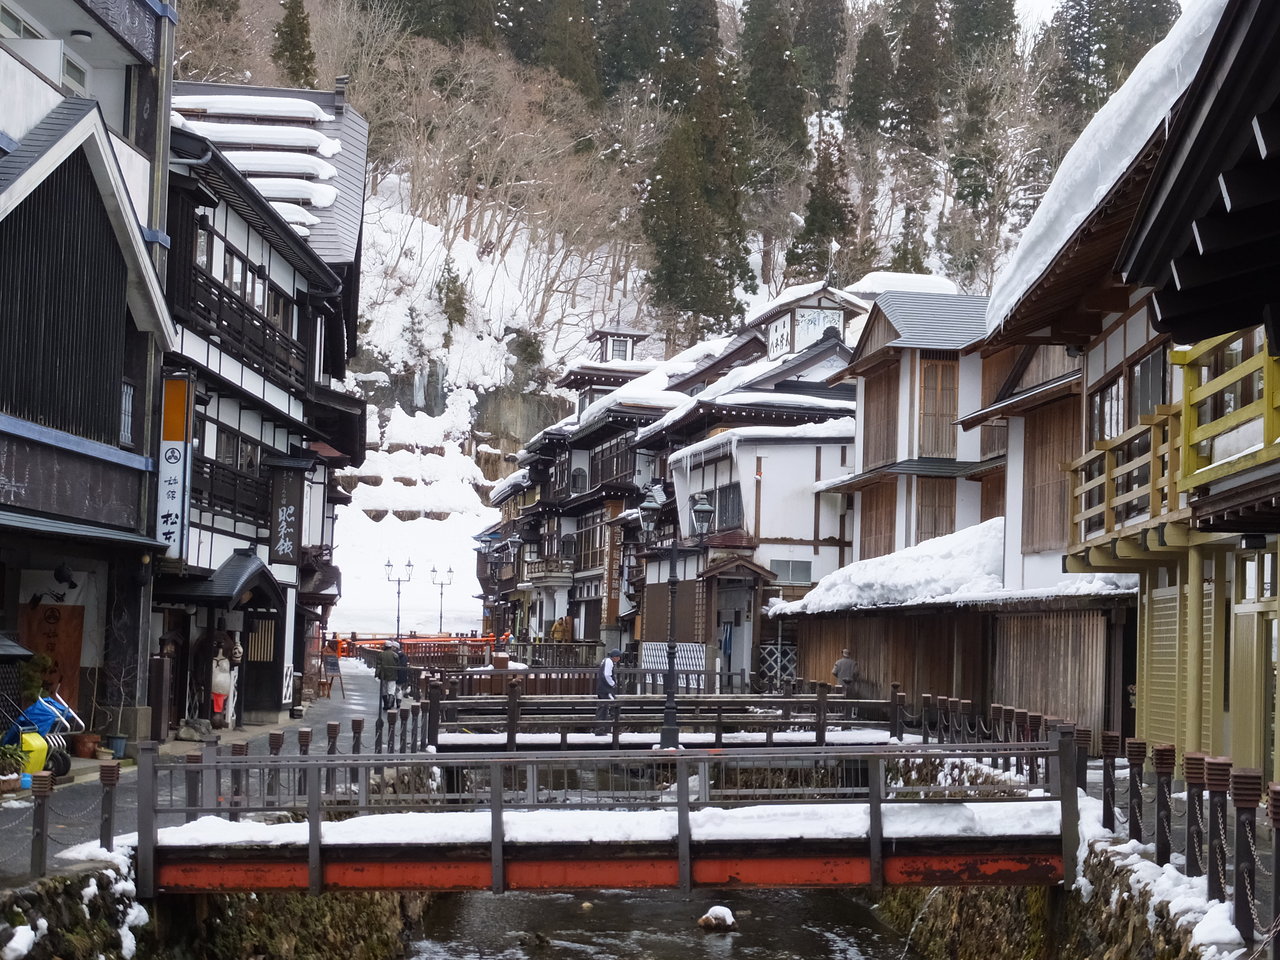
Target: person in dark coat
(387, 672)
(607, 688)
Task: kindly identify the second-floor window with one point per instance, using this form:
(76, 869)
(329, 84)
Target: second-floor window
(613, 461)
(126, 413)
(938, 393)
(238, 451)
(591, 540)
(792, 571)
(728, 503)
(12, 25)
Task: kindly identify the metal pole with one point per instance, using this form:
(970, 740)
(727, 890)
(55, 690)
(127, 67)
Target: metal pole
(1164, 758)
(1246, 794)
(1193, 773)
(146, 819)
(670, 737)
(41, 788)
(108, 776)
(1218, 774)
(1110, 750)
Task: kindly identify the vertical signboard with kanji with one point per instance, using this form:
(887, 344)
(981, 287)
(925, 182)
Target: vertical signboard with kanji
(612, 562)
(174, 466)
(286, 515)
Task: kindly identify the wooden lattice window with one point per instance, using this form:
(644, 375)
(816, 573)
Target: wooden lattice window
(878, 509)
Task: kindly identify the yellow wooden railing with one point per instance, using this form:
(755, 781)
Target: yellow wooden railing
(1112, 475)
(1203, 457)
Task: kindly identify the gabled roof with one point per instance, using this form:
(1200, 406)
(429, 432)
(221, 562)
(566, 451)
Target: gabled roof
(745, 344)
(243, 570)
(933, 321)
(788, 297)
(74, 124)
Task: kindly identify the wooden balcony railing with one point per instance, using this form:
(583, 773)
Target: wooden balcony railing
(1231, 421)
(246, 334)
(543, 568)
(1127, 479)
(218, 488)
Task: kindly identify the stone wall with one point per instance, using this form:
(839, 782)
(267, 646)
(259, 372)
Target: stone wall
(286, 926)
(88, 915)
(1032, 923)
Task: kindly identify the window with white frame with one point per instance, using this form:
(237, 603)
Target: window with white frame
(792, 571)
(14, 26)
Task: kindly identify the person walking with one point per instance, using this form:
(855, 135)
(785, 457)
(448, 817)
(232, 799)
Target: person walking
(606, 689)
(846, 672)
(387, 672)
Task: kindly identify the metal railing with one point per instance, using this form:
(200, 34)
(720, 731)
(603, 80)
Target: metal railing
(321, 788)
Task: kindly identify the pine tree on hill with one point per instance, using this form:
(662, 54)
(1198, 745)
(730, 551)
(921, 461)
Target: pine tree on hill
(871, 85)
(828, 216)
(695, 33)
(452, 21)
(821, 31)
(631, 34)
(292, 51)
(977, 25)
(570, 47)
(525, 24)
(1141, 25)
(773, 74)
(918, 80)
(910, 248)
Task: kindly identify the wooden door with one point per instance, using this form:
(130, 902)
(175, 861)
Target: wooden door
(57, 631)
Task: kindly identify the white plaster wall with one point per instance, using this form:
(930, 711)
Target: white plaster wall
(28, 96)
(907, 412)
(968, 503)
(1013, 579)
(969, 442)
(904, 532)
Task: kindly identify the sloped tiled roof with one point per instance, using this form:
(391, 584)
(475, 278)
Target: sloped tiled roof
(934, 321)
(42, 138)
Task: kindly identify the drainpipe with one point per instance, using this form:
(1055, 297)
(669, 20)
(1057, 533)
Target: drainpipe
(1194, 734)
(157, 221)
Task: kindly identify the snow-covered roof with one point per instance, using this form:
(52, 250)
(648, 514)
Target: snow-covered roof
(508, 486)
(961, 568)
(282, 162)
(881, 281)
(803, 291)
(838, 430)
(1104, 151)
(934, 321)
(308, 135)
(234, 105)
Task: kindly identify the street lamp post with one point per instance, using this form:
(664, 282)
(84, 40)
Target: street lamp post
(442, 580)
(700, 513)
(399, 582)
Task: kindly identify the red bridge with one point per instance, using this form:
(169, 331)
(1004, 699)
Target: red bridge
(855, 816)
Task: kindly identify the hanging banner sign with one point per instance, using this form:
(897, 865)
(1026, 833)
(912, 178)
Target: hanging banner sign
(173, 471)
(286, 515)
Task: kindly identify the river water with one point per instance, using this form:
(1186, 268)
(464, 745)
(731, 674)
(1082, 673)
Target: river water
(624, 925)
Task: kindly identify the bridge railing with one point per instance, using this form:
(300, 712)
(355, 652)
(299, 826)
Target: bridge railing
(329, 788)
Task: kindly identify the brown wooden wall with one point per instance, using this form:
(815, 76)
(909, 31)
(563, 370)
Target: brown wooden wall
(939, 383)
(879, 503)
(657, 602)
(880, 425)
(1049, 361)
(993, 495)
(935, 507)
(1054, 438)
(1054, 663)
(942, 654)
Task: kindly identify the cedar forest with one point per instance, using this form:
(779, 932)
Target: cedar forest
(680, 154)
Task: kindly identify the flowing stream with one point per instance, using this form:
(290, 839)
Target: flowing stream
(624, 925)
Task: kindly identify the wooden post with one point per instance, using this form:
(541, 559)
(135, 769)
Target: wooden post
(513, 714)
(683, 829)
(331, 729)
(353, 778)
(1135, 752)
(404, 729)
(193, 787)
(1070, 802)
(1110, 750)
(108, 777)
(820, 716)
(304, 749)
(1021, 733)
(1084, 738)
(1217, 771)
(435, 697)
(414, 710)
(315, 869)
(899, 715)
(875, 832)
(1246, 793)
(1164, 758)
(146, 855)
(1035, 726)
(1273, 810)
(41, 788)
(497, 834)
(1193, 773)
(926, 708)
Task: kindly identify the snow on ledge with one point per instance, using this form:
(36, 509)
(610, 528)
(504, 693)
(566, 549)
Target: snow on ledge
(882, 281)
(295, 188)
(281, 162)
(1105, 150)
(266, 135)
(295, 214)
(231, 105)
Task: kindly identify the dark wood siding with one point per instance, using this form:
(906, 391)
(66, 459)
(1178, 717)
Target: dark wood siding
(880, 425)
(63, 316)
(935, 507)
(879, 505)
(1053, 438)
(938, 391)
(993, 495)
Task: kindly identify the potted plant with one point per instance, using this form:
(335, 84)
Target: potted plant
(12, 762)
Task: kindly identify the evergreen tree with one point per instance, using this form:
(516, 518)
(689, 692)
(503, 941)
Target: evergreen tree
(570, 47)
(910, 248)
(773, 74)
(632, 34)
(820, 39)
(977, 25)
(871, 85)
(692, 214)
(1140, 25)
(828, 216)
(452, 21)
(918, 80)
(292, 51)
(525, 26)
(695, 33)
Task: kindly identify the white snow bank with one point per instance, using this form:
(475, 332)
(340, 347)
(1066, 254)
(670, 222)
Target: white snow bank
(1105, 150)
(281, 162)
(280, 108)
(967, 561)
(881, 281)
(267, 135)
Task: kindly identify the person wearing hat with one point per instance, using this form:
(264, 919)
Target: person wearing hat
(387, 671)
(606, 688)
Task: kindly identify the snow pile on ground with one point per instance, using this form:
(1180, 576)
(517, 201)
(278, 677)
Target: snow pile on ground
(967, 561)
(1105, 150)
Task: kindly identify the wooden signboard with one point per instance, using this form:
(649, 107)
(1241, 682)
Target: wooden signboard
(56, 631)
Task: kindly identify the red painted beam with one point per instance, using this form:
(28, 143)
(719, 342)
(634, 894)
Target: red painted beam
(207, 875)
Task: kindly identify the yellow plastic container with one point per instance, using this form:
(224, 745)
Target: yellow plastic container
(37, 750)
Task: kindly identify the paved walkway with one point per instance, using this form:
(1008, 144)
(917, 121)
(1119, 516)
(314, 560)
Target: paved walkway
(75, 808)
